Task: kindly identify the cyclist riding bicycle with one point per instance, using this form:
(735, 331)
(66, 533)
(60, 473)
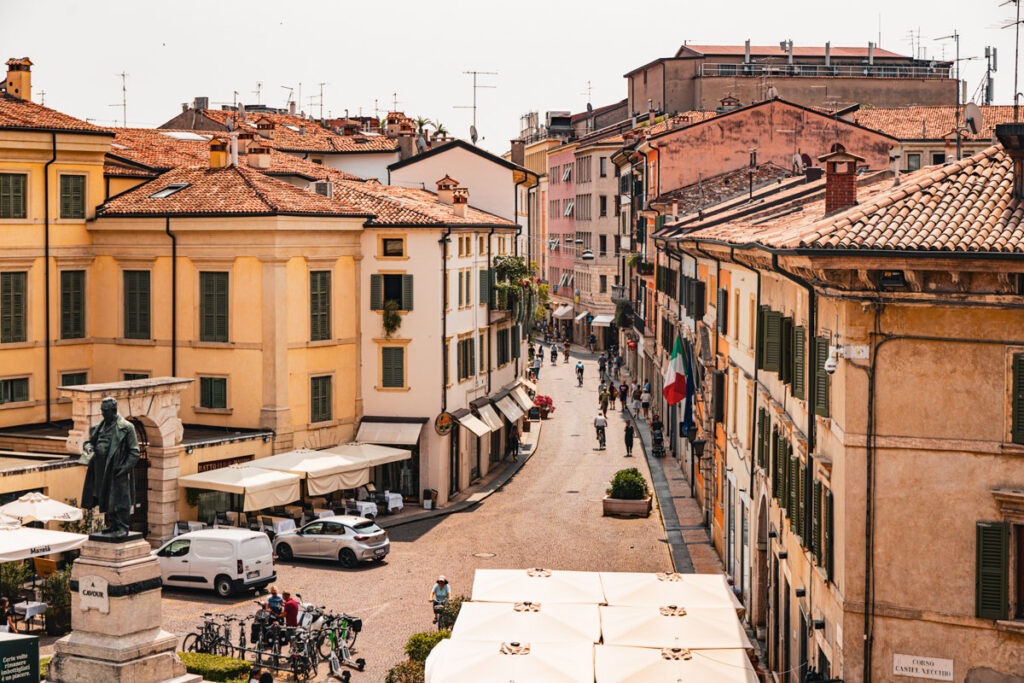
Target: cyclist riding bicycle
(579, 370)
(600, 423)
(439, 594)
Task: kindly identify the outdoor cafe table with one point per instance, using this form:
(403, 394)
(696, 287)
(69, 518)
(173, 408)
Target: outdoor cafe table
(27, 610)
(323, 512)
(293, 510)
(281, 523)
(365, 508)
(394, 501)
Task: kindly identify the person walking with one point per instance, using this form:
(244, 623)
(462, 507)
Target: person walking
(291, 609)
(623, 395)
(645, 399)
(604, 396)
(618, 364)
(628, 435)
(637, 393)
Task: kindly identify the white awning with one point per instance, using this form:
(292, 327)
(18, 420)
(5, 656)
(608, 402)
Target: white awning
(261, 488)
(22, 542)
(324, 472)
(582, 315)
(528, 384)
(473, 424)
(368, 454)
(405, 433)
(521, 397)
(511, 409)
(564, 311)
(490, 417)
(602, 320)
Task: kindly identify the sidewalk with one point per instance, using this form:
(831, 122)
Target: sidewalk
(468, 498)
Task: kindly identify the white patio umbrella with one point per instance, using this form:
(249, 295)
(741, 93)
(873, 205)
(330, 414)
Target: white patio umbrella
(8, 521)
(457, 661)
(19, 543)
(654, 590)
(613, 664)
(38, 507)
(522, 622)
(324, 472)
(537, 585)
(369, 454)
(693, 628)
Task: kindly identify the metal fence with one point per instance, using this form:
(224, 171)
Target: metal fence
(924, 70)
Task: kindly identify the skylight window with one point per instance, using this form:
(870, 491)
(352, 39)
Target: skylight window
(169, 190)
(117, 146)
(291, 127)
(186, 136)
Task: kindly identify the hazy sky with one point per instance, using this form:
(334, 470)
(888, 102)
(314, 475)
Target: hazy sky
(544, 52)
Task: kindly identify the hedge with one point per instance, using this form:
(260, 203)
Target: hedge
(406, 672)
(215, 667)
(419, 645)
(628, 485)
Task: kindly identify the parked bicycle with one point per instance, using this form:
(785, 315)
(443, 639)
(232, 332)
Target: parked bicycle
(212, 638)
(335, 641)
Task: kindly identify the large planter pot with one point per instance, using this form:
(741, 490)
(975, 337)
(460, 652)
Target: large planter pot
(544, 412)
(620, 506)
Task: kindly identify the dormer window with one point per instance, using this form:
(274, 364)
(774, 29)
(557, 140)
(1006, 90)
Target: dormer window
(169, 190)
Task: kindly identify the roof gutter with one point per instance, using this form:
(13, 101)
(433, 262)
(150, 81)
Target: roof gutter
(46, 266)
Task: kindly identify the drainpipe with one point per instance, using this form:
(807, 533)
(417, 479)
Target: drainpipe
(515, 214)
(46, 264)
(490, 298)
(174, 296)
(444, 314)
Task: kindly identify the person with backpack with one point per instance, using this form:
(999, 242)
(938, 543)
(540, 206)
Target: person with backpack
(628, 435)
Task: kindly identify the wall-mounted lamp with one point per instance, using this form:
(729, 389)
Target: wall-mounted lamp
(801, 592)
(188, 450)
(783, 555)
(266, 438)
(773, 534)
(818, 624)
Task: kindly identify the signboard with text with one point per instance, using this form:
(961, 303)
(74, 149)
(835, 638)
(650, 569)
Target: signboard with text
(19, 658)
(914, 666)
(93, 594)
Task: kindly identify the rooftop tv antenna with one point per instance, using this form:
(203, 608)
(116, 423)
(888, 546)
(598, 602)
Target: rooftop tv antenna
(990, 68)
(291, 91)
(956, 39)
(1016, 56)
(394, 101)
(124, 99)
(258, 91)
(476, 86)
(319, 97)
(588, 93)
(42, 97)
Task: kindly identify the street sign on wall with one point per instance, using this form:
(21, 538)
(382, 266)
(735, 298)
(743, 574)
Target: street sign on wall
(19, 661)
(914, 666)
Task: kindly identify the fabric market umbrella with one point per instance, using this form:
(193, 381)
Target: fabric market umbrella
(533, 622)
(262, 488)
(673, 626)
(369, 454)
(457, 661)
(613, 664)
(324, 472)
(537, 585)
(654, 590)
(38, 507)
(19, 543)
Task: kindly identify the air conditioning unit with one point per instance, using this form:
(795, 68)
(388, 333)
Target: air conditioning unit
(325, 188)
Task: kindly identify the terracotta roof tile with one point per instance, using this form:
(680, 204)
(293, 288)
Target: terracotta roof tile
(928, 123)
(287, 134)
(393, 205)
(18, 113)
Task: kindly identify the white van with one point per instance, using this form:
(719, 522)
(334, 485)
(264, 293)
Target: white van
(226, 560)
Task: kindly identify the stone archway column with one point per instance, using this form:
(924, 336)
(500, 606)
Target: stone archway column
(155, 402)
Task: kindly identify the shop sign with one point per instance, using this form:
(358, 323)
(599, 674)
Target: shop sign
(922, 667)
(93, 594)
(443, 423)
(225, 462)
(19, 658)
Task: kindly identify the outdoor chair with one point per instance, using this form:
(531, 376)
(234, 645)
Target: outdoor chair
(221, 520)
(44, 567)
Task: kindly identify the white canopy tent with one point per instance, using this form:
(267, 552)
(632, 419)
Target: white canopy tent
(262, 488)
(324, 472)
(22, 542)
(603, 320)
(537, 585)
(394, 433)
(613, 664)
(564, 311)
(533, 622)
(457, 661)
(694, 628)
(38, 507)
(654, 590)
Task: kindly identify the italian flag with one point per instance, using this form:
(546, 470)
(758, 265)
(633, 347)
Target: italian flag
(675, 375)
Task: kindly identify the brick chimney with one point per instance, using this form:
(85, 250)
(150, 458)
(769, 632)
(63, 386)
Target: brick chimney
(258, 155)
(460, 201)
(19, 78)
(445, 189)
(518, 155)
(219, 157)
(244, 140)
(406, 146)
(840, 180)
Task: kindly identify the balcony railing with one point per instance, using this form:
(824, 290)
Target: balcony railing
(821, 71)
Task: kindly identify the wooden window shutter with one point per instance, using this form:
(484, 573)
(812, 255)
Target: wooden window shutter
(72, 304)
(772, 340)
(376, 292)
(821, 379)
(392, 370)
(815, 540)
(719, 395)
(12, 307)
(801, 502)
(515, 341)
(462, 295)
(828, 533)
(72, 196)
(799, 361)
(761, 420)
(777, 475)
(319, 305)
(699, 300)
(407, 292)
(1017, 391)
(992, 585)
(12, 195)
(759, 337)
(784, 475)
(136, 304)
(213, 292)
(485, 285)
(472, 356)
(722, 312)
(786, 350)
(794, 490)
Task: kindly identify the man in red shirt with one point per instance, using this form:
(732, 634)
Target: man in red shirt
(291, 610)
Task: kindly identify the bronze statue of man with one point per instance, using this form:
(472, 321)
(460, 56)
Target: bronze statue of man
(110, 474)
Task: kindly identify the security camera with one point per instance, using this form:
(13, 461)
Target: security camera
(831, 363)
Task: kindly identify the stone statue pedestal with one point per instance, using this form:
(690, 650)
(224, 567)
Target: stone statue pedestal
(116, 618)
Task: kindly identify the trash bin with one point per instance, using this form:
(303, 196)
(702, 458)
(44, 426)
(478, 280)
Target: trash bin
(429, 499)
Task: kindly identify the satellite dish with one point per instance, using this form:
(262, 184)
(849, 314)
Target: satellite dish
(472, 134)
(421, 143)
(590, 108)
(973, 118)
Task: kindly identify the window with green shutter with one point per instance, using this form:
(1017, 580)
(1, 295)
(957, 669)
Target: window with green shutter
(722, 311)
(483, 353)
(992, 582)
(319, 305)
(762, 420)
(213, 392)
(14, 390)
(1017, 398)
(376, 292)
(783, 474)
(759, 337)
(777, 475)
(72, 196)
(801, 502)
(828, 533)
(786, 350)
(821, 378)
(461, 292)
(794, 490)
(772, 340)
(72, 379)
(12, 195)
(799, 361)
(12, 307)
(485, 285)
(471, 369)
(406, 293)
(213, 307)
(320, 399)
(815, 541)
(515, 341)
(72, 304)
(392, 359)
(136, 304)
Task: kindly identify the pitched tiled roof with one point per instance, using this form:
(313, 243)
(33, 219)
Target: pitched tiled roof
(393, 205)
(220, 191)
(928, 123)
(964, 207)
(16, 113)
(316, 138)
(686, 118)
(720, 187)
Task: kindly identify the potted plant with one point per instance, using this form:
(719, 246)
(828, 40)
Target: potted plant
(546, 405)
(628, 494)
(55, 591)
(391, 319)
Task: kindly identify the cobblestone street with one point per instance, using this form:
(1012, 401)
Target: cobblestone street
(548, 515)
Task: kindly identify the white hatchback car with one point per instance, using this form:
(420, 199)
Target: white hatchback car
(226, 560)
(345, 538)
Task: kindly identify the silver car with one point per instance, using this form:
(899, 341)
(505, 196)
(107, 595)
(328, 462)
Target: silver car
(345, 538)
